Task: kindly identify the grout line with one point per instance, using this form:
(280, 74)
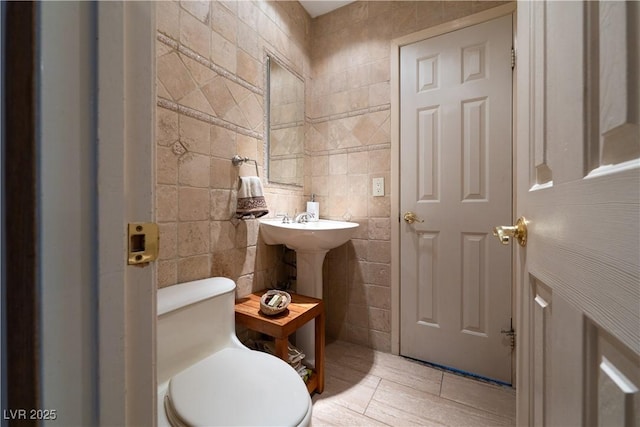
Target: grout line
(371, 398)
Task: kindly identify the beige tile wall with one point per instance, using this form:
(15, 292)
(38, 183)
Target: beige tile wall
(211, 105)
(210, 86)
(348, 138)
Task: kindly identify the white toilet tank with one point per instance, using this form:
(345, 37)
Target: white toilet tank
(195, 320)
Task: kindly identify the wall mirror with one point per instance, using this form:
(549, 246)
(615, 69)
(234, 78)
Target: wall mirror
(285, 124)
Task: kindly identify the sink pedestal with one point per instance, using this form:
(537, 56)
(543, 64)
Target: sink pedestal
(309, 283)
(309, 272)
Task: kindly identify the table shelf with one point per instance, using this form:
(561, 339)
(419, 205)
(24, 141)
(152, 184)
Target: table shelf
(301, 310)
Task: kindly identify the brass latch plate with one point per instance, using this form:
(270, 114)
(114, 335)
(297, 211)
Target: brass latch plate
(144, 240)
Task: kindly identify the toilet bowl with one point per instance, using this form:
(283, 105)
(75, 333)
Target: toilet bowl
(207, 377)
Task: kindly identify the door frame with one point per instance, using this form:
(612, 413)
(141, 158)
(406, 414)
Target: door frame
(396, 44)
(126, 82)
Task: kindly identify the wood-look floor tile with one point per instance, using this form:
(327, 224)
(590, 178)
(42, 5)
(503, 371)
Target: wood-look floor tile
(385, 365)
(366, 387)
(336, 349)
(396, 417)
(429, 409)
(488, 397)
(398, 370)
(328, 413)
(347, 388)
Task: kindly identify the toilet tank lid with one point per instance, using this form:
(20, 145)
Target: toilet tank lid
(183, 294)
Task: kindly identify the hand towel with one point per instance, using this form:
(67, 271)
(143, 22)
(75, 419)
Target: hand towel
(251, 199)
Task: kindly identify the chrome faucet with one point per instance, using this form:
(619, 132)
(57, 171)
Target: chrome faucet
(303, 217)
(285, 218)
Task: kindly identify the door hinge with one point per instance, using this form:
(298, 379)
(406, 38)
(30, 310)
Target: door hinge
(511, 334)
(513, 58)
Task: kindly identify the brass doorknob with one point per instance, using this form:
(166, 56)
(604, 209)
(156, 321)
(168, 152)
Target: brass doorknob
(519, 231)
(411, 217)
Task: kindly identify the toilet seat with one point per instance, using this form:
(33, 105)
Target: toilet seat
(238, 387)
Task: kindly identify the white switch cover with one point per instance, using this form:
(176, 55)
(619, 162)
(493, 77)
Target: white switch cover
(378, 187)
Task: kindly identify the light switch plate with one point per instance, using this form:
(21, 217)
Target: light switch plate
(378, 187)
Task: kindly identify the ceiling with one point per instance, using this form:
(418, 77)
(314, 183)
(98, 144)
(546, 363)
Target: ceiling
(320, 7)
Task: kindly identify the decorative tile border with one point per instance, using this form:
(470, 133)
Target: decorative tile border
(288, 125)
(353, 113)
(348, 150)
(204, 117)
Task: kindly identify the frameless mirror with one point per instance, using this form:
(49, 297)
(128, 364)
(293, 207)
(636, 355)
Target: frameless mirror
(285, 125)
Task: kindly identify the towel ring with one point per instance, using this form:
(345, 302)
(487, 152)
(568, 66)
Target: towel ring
(238, 161)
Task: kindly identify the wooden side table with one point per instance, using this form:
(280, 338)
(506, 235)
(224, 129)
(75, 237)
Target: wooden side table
(301, 310)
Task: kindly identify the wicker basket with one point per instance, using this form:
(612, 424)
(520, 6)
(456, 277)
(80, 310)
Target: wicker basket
(280, 306)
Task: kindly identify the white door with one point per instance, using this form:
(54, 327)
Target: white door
(456, 162)
(578, 185)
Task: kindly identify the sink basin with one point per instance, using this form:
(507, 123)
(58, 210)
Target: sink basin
(318, 236)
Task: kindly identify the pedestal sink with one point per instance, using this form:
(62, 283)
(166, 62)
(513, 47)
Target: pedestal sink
(311, 241)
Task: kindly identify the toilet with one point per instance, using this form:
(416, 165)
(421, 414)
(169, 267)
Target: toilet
(207, 377)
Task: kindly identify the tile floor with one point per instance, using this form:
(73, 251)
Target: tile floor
(364, 387)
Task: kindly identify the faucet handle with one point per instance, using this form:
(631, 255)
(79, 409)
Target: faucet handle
(301, 217)
(285, 217)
